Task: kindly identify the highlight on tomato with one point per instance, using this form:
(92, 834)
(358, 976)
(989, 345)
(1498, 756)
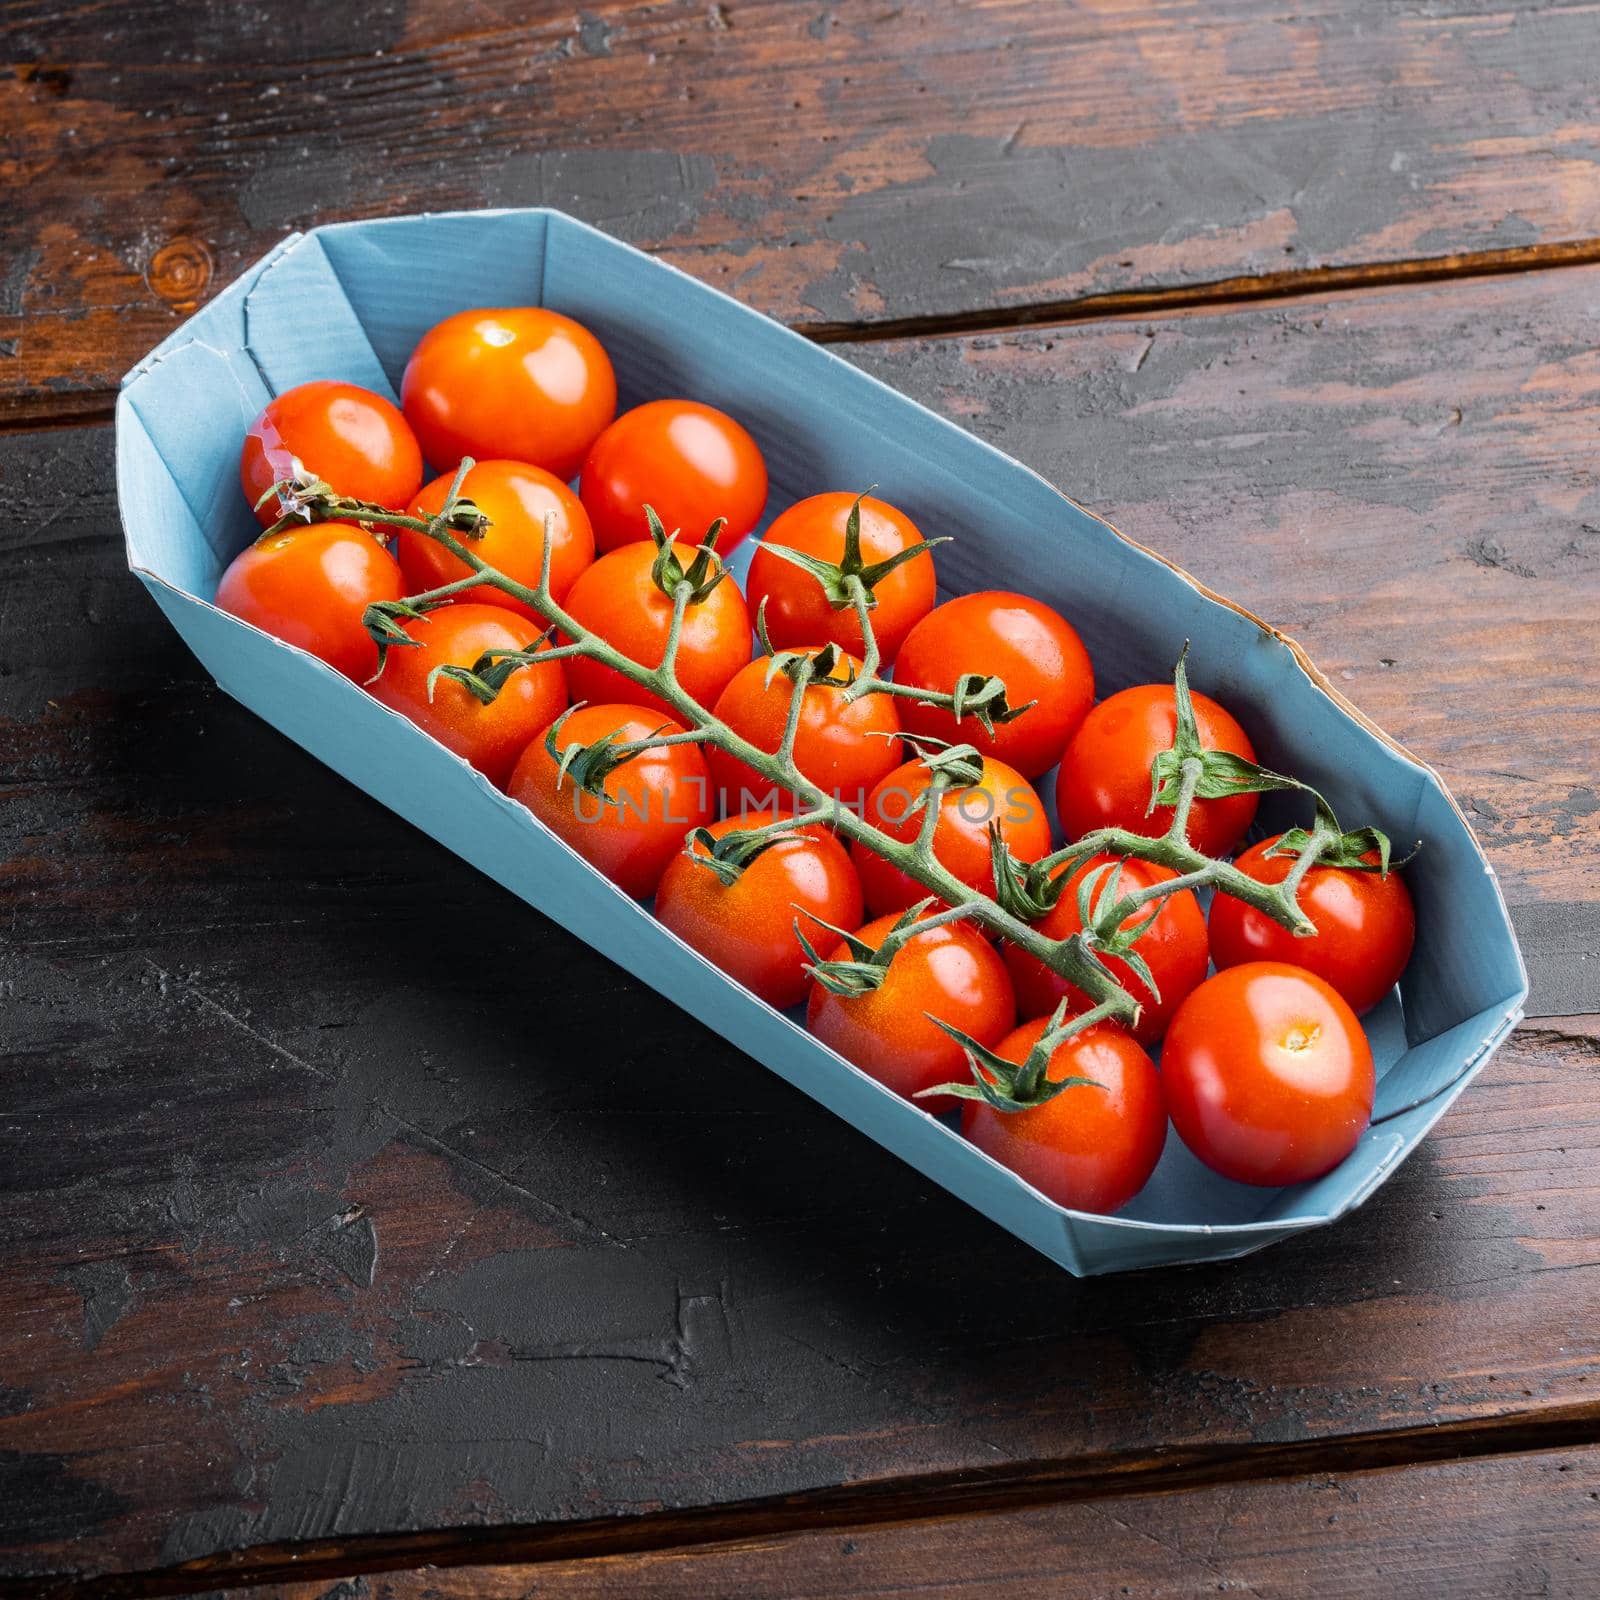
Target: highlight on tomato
(352, 439)
(800, 568)
(1033, 650)
(626, 599)
(310, 586)
(735, 895)
(1105, 776)
(520, 383)
(843, 746)
(1171, 947)
(473, 680)
(1269, 1077)
(625, 813)
(878, 989)
(517, 499)
(979, 793)
(692, 463)
(1365, 922)
(1092, 1132)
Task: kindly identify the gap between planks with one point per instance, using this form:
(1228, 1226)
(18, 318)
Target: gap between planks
(1016, 1486)
(39, 411)
(1219, 294)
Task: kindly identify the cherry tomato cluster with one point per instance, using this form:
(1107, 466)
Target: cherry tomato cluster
(929, 727)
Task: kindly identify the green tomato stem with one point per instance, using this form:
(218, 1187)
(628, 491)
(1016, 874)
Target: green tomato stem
(1071, 958)
(791, 724)
(871, 655)
(1189, 782)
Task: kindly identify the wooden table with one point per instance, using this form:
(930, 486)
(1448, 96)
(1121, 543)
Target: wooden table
(336, 1261)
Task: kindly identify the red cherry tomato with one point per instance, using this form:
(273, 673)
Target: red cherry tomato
(618, 599)
(638, 825)
(843, 748)
(1104, 781)
(1035, 651)
(1173, 947)
(517, 384)
(515, 498)
(351, 438)
(798, 612)
(689, 462)
(961, 836)
(1365, 926)
(747, 927)
(1092, 1149)
(308, 586)
(950, 972)
(492, 736)
(1269, 1077)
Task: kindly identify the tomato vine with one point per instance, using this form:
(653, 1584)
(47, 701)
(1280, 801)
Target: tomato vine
(1112, 920)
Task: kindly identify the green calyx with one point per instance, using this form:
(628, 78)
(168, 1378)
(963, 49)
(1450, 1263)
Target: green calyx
(383, 618)
(1333, 847)
(490, 673)
(702, 574)
(589, 765)
(728, 856)
(1010, 1087)
(835, 576)
(1108, 928)
(1217, 773)
(957, 766)
(868, 967)
(984, 700)
(1027, 890)
(1031, 890)
(829, 665)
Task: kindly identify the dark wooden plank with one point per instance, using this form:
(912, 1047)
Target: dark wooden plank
(316, 1234)
(832, 165)
(252, 1389)
(1515, 1525)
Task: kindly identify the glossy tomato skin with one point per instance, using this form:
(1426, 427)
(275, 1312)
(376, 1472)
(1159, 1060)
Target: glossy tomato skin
(747, 927)
(491, 737)
(1035, 651)
(951, 972)
(516, 498)
(1104, 781)
(515, 384)
(961, 837)
(1365, 924)
(1092, 1149)
(650, 803)
(1269, 1077)
(1174, 947)
(353, 439)
(618, 599)
(309, 586)
(690, 462)
(845, 749)
(798, 613)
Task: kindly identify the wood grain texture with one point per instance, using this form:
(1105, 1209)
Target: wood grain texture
(340, 1245)
(1513, 1526)
(833, 165)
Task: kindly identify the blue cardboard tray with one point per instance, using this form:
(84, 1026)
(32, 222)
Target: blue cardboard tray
(350, 301)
